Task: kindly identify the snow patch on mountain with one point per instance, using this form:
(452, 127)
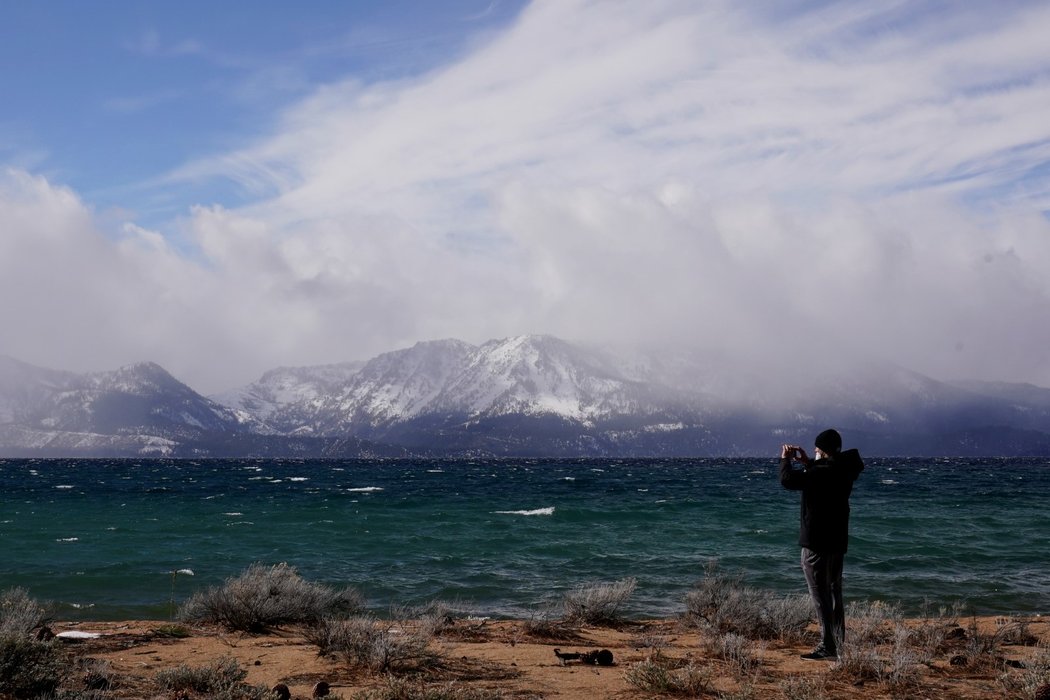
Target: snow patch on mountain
(286, 386)
(535, 375)
(404, 383)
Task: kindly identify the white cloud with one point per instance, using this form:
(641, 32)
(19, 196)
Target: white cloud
(611, 170)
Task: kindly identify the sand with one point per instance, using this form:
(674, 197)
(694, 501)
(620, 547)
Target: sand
(498, 655)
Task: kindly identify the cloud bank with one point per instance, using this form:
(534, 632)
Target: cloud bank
(871, 180)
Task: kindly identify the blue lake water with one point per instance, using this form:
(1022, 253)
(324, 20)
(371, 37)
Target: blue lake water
(100, 538)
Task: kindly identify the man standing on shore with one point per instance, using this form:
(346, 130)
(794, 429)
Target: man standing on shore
(826, 483)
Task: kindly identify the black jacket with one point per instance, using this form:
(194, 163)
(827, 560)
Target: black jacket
(826, 485)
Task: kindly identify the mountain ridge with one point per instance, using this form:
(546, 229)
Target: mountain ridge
(528, 395)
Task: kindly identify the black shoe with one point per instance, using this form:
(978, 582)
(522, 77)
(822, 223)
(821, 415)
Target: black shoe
(820, 654)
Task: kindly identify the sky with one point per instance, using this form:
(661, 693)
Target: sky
(224, 188)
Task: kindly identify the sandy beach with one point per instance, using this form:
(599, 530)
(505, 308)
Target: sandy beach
(484, 658)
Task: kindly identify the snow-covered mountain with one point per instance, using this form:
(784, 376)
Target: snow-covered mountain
(526, 395)
(286, 386)
(450, 381)
(142, 410)
(394, 386)
(536, 375)
(540, 394)
(140, 407)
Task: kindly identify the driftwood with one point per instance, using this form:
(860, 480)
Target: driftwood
(597, 657)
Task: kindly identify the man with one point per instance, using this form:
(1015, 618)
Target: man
(826, 483)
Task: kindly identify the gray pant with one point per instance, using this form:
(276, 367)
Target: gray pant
(824, 577)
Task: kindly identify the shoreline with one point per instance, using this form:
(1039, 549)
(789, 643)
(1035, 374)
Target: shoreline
(499, 658)
(72, 613)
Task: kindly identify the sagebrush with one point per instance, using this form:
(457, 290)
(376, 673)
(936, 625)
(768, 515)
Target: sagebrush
(547, 623)
(29, 668)
(722, 604)
(222, 680)
(19, 613)
(599, 603)
(381, 646)
(398, 688)
(739, 653)
(1034, 678)
(804, 688)
(872, 622)
(659, 674)
(264, 597)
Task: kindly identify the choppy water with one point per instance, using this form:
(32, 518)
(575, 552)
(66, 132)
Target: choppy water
(100, 538)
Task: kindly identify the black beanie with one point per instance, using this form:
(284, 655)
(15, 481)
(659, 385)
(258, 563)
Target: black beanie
(829, 441)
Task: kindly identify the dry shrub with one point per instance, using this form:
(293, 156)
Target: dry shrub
(804, 688)
(96, 675)
(859, 662)
(902, 670)
(746, 691)
(650, 640)
(659, 674)
(395, 688)
(1015, 631)
(983, 650)
(911, 644)
(599, 603)
(722, 604)
(1034, 678)
(29, 668)
(872, 622)
(268, 596)
(739, 653)
(377, 645)
(443, 619)
(19, 614)
(222, 680)
(436, 617)
(547, 624)
(784, 617)
(928, 636)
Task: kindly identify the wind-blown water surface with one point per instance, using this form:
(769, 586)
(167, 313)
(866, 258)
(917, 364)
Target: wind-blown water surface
(100, 538)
